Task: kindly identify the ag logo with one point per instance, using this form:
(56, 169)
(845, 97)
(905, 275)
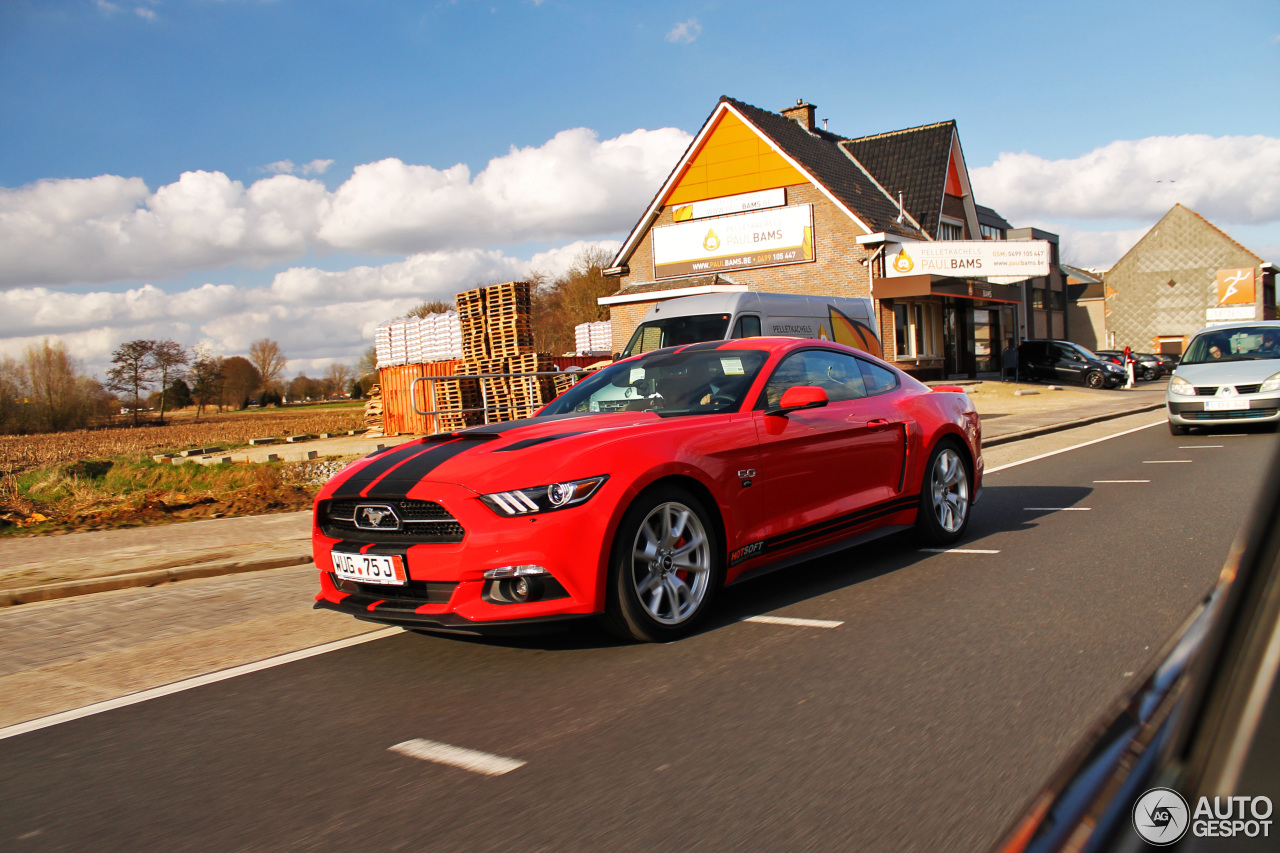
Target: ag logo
(1160, 816)
(711, 242)
(903, 262)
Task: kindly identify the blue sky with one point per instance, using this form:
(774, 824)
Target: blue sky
(220, 170)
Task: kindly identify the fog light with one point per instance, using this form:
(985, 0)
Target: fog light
(520, 589)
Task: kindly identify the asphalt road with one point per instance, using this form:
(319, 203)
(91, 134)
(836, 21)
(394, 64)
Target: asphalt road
(952, 687)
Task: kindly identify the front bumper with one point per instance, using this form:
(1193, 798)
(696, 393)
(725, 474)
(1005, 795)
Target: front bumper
(1191, 411)
(447, 590)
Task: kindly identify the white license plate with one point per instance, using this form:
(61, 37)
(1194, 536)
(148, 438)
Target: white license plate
(369, 568)
(1225, 405)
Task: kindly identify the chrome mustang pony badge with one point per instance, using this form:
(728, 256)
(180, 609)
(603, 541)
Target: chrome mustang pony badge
(377, 517)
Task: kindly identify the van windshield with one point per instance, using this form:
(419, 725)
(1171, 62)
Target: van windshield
(1238, 343)
(677, 331)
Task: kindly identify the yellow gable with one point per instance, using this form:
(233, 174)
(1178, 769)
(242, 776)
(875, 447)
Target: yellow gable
(733, 159)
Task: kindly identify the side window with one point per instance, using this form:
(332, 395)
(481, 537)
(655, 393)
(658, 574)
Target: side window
(834, 372)
(877, 379)
(747, 326)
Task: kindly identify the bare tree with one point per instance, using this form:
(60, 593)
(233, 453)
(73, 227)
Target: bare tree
(367, 366)
(266, 356)
(206, 380)
(134, 371)
(571, 299)
(337, 378)
(239, 380)
(169, 359)
(434, 306)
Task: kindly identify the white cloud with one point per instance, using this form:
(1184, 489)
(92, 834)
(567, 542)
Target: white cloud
(145, 13)
(111, 228)
(685, 32)
(1228, 179)
(317, 316)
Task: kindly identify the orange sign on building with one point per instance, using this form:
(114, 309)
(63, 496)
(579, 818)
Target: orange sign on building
(1235, 287)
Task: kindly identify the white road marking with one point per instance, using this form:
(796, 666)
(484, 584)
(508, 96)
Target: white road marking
(1072, 447)
(457, 756)
(1122, 481)
(958, 551)
(797, 623)
(189, 683)
(1056, 508)
(1164, 461)
(1199, 446)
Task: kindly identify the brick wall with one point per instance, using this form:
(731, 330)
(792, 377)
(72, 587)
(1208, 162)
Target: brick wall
(835, 271)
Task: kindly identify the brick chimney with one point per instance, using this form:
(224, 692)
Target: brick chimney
(801, 113)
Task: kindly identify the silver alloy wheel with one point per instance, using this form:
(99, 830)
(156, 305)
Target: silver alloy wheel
(949, 482)
(671, 563)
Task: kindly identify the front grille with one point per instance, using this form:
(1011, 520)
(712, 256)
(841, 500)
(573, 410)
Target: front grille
(421, 522)
(1239, 414)
(1212, 390)
(412, 595)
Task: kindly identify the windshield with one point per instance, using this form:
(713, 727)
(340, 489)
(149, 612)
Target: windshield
(668, 383)
(677, 331)
(1081, 350)
(1241, 343)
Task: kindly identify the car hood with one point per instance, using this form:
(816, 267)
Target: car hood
(1229, 372)
(500, 457)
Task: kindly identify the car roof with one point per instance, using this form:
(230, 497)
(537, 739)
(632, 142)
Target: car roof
(1239, 324)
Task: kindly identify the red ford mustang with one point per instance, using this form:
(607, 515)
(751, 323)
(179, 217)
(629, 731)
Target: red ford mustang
(642, 490)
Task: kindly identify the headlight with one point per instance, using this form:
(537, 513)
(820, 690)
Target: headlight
(543, 498)
(1178, 385)
(1272, 383)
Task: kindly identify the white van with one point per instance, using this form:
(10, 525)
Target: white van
(721, 316)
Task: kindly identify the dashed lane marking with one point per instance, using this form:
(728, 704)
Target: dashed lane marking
(958, 551)
(1008, 465)
(457, 756)
(1164, 461)
(795, 623)
(1122, 481)
(1200, 446)
(1056, 508)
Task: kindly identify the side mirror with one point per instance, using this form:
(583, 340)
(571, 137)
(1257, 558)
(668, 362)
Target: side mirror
(799, 397)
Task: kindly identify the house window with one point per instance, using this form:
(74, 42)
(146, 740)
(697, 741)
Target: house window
(917, 329)
(950, 230)
(990, 232)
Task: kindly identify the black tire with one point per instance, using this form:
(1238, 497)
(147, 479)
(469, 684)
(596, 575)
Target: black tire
(665, 568)
(1176, 429)
(1148, 374)
(1094, 379)
(945, 495)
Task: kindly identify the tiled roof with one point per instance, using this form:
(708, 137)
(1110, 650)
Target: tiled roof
(912, 161)
(820, 154)
(987, 216)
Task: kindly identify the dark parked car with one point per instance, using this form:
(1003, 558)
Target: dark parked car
(1146, 366)
(1063, 361)
(1192, 756)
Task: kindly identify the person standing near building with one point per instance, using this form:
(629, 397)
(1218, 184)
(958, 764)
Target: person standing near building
(1128, 366)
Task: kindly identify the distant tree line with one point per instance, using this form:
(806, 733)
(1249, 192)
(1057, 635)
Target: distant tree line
(46, 391)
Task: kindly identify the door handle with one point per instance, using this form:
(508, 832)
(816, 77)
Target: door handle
(878, 424)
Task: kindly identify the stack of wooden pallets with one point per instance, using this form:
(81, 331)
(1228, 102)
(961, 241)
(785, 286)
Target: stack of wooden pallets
(373, 412)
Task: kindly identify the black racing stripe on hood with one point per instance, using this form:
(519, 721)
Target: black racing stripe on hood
(388, 459)
(507, 426)
(534, 442)
(398, 482)
(704, 345)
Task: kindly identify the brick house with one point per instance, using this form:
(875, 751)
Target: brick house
(833, 205)
(1184, 274)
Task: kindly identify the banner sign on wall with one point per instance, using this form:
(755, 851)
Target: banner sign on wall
(1009, 259)
(765, 239)
(1235, 287)
(730, 204)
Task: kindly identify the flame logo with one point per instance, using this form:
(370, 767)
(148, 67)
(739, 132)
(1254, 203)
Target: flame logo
(711, 242)
(903, 262)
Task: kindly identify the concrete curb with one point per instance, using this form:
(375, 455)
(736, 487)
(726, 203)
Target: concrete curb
(1032, 432)
(155, 577)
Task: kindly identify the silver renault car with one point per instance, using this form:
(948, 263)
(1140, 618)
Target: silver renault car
(1230, 374)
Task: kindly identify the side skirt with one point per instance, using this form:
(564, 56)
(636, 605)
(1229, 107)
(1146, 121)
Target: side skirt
(821, 551)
